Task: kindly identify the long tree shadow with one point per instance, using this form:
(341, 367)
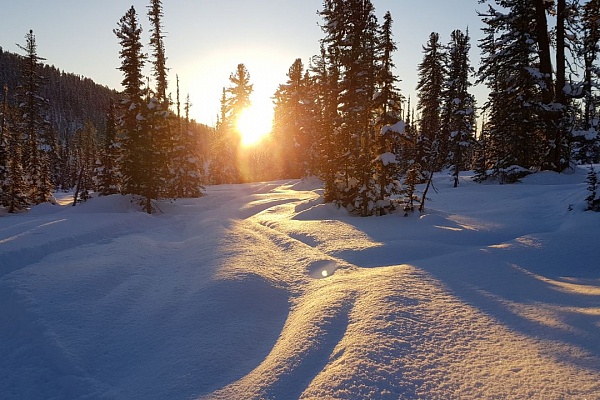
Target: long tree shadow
(523, 282)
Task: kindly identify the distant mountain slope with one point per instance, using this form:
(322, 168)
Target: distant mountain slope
(74, 99)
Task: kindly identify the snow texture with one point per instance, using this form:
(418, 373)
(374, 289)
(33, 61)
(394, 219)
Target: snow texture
(260, 291)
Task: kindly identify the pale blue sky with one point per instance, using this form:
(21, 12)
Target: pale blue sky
(206, 39)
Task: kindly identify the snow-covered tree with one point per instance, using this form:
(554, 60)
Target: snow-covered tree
(508, 67)
(33, 126)
(387, 105)
(458, 113)
(107, 172)
(431, 73)
(592, 200)
(137, 150)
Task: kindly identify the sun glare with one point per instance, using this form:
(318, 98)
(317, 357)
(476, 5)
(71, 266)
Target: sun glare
(254, 123)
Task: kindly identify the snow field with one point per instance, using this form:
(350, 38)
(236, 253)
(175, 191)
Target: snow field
(260, 291)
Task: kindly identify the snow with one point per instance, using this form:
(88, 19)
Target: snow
(387, 158)
(261, 291)
(398, 127)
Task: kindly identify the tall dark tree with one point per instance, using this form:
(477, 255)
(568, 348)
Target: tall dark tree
(459, 109)
(161, 121)
(350, 60)
(137, 145)
(325, 83)
(291, 123)
(508, 67)
(430, 86)
(387, 105)
(108, 174)
(33, 125)
(159, 67)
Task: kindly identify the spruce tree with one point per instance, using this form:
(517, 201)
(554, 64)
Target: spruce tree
(161, 121)
(33, 125)
(137, 145)
(4, 154)
(188, 164)
(326, 119)
(431, 73)
(516, 140)
(237, 100)
(387, 104)
(293, 123)
(219, 167)
(107, 173)
(592, 200)
(459, 109)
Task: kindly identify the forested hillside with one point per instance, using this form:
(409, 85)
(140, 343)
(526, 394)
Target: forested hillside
(73, 99)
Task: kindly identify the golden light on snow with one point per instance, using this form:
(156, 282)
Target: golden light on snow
(324, 273)
(254, 123)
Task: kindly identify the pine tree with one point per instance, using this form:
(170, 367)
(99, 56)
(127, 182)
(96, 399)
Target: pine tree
(349, 70)
(593, 202)
(85, 149)
(237, 100)
(459, 108)
(326, 119)
(516, 142)
(137, 150)
(188, 163)
(290, 128)
(387, 103)
(107, 173)
(33, 126)
(218, 168)
(4, 154)
(430, 85)
(155, 14)
(160, 121)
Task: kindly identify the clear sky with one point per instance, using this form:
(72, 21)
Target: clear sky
(206, 39)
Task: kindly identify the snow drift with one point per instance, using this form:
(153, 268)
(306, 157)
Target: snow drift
(261, 291)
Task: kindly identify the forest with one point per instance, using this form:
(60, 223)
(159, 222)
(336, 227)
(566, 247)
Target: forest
(339, 116)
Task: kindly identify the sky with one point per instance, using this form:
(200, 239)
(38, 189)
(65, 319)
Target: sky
(206, 39)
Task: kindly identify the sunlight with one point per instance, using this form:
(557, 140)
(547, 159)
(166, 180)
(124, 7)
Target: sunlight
(254, 123)
(324, 273)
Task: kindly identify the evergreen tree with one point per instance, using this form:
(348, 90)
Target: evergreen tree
(107, 173)
(593, 202)
(459, 108)
(387, 104)
(350, 59)
(33, 125)
(85, 150)
(137, 144)
(160, 121)
(219, 168)
(155, 14)
(291, 123)
(4, 154)
(326, 119)
(516, 132)
(430, 85)
(187, 160)
(237, 100)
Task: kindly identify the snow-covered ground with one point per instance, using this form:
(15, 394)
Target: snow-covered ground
(260, 291)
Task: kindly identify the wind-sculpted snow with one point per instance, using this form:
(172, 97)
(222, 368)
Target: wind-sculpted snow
(260, 291)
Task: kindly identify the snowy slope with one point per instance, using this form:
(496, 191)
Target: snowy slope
(260, 291)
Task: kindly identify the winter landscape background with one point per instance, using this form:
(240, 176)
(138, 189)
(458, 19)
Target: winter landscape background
(260, 290)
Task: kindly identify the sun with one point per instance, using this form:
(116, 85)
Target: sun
(254, 123)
